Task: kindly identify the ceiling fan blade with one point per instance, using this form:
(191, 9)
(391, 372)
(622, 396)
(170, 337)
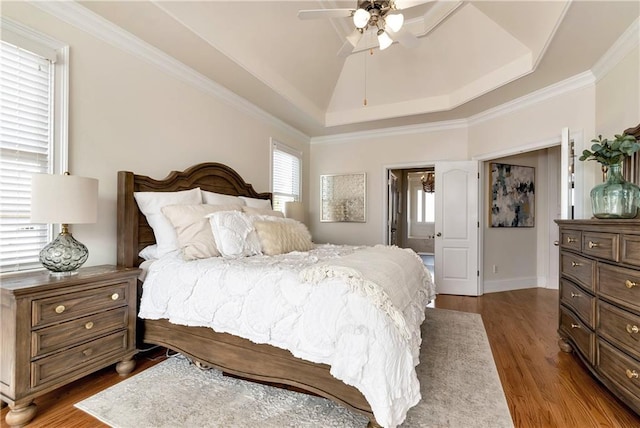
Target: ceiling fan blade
(405, 4)
(405, 38)
(324, 13)
(346, 50)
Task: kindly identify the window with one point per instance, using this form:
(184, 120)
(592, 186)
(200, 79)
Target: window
(286, 173)
(33, 128)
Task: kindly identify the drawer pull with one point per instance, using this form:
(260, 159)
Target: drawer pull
(632, 374)
(575, 325)
(575, 294)
(629, 284)
(593, 244)
(87, 352)
(115, 296)
(631, 329)
(571, 240)
(60, 309)
(89, 325)
(575, 264)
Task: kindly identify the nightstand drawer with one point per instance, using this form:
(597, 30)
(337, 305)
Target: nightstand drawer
(72, 361)
(603, 245)
(579, 333)
(61, 308)
(630, 250)
(74, 332)
(621, 370)
(619, 327)
(571, 239)
(582, 303)
(619, 284)
(579, 269)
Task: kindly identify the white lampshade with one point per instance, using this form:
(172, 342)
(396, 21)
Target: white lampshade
(361, 18)
(394, 22)
(384, 40)
(294, 210)
(65, 199)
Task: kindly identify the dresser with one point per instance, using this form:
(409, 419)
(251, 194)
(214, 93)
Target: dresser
(599, 316)
(57, 330)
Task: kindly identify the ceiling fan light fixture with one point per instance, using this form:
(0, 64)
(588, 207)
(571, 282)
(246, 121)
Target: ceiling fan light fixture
(384, 40)
(394, 22)
(361, 18)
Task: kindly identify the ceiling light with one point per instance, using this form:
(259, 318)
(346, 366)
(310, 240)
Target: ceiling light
(394, 22)
(361, 18)
(384, 40)
(355, 37)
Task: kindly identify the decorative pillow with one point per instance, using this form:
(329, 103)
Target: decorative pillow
(264, 204)
(234, 234)
(212, 198)
(151, 203)
(192, 227)
(282, 236)
(263, 212)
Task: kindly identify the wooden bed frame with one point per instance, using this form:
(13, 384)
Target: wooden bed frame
(231, 354)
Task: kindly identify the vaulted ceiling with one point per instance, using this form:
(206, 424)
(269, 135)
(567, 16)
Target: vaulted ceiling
(469, 56)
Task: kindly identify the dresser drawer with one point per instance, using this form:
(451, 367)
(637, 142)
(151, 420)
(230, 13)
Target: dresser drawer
(603, 245)
(74, 332)
(571, 239)
(582, 303)
(620, 369)
(578, 332)
(72, 361)
(620, 327)
(620, 285)
(61, 308)
(630, 250)
(578, 268)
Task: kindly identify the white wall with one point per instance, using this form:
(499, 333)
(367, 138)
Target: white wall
(126, 114)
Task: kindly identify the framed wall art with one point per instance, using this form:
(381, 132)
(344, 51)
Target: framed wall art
(343, 197)
(512, 191)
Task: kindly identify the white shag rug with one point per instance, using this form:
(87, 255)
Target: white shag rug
(458, 379)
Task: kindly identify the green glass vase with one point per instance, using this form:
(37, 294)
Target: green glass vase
(616, 197)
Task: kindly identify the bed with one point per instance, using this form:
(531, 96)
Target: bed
(228, 352)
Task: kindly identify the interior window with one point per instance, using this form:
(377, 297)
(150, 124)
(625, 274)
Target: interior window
(286, 173)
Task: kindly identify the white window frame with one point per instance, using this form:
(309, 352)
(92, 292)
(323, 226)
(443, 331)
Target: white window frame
(278, 146)
(57, 52)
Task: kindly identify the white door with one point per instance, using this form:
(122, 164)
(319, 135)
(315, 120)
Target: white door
(456, 242)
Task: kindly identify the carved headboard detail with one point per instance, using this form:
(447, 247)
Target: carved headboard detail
(631, 167)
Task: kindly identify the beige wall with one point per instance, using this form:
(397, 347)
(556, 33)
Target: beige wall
(126, 114)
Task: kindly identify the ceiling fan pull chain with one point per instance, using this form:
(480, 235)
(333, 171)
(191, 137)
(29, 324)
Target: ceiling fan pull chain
(365, 77)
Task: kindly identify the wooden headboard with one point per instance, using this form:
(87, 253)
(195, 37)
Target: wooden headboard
(134, 232)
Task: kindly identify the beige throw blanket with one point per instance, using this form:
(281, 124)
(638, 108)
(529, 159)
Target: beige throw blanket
(388, 275)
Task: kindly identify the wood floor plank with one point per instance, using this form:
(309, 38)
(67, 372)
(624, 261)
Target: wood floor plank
(544, 387)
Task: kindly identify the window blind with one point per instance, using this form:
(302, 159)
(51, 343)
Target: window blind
(26, 114)
(286, 178)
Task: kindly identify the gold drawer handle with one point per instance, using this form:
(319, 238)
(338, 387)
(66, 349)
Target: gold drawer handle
(629, 284)
(571, 240)
(89, 325)
(575, 325)
(115, 296)
(632, 374)
(60, 309)
(87, 352)
(593, 244)
(575, 264)
(575, 294)
(631, 329)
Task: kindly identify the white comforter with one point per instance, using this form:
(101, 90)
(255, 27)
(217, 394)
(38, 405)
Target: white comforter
(346, 315)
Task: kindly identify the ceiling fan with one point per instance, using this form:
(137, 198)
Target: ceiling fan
(381, 16)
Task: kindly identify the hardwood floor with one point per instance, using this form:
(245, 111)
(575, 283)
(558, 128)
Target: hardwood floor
(544, 386)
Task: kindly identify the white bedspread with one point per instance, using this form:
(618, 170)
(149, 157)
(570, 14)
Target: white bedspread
(307, 303)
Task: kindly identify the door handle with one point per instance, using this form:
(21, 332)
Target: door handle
(438, 234)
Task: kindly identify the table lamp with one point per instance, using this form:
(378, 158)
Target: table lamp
(64, 199)
(294, 210)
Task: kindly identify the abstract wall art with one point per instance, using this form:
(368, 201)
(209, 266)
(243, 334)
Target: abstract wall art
(512, 195)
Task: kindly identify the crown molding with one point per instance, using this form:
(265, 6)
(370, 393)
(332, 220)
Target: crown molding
(628, 41)
(90, 22)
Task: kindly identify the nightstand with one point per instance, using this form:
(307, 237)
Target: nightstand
(57, 330)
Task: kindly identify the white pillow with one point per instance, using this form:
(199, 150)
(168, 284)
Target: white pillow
(234, 234)
(280, 236)
(263, 212)
(212, 198)
(151, 203)
(150, 252)
(192, 228)
(264, 204)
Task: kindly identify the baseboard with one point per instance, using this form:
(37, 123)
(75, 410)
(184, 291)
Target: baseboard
(510, 284)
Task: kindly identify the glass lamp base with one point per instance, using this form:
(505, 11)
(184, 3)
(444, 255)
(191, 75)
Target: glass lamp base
(64, 255)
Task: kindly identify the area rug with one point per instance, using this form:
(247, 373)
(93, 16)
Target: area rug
(459, 384)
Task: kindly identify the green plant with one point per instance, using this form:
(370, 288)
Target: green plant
(611, 152)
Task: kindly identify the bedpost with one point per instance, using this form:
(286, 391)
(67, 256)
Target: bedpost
(127, 221)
